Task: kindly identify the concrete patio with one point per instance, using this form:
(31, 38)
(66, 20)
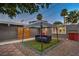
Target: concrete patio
(66, 48)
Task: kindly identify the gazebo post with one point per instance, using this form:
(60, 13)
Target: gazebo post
(41, 37)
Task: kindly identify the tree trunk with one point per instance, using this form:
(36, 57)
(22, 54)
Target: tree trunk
(64, 20)
(57, 32)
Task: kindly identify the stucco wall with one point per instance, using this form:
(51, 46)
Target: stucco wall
(33, 32)
(60, 36)
(72, 28)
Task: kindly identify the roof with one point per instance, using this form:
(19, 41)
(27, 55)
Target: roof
(13, 22)
(37, 24)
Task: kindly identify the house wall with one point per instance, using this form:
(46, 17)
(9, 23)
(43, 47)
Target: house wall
(7, 33)
(60, 36)
(72, 28)
(33, 32)
(61, 32)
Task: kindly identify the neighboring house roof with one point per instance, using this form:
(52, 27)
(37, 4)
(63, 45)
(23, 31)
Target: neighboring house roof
(12, 22)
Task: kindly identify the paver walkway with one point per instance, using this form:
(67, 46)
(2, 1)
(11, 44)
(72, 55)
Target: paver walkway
(16, 49)
(66, 48)
(9, 50)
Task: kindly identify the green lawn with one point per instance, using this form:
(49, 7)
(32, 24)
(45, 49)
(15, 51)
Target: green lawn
(37, 45)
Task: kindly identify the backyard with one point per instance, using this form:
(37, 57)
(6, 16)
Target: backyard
(53, 34)
(41, 46)
(65, 48)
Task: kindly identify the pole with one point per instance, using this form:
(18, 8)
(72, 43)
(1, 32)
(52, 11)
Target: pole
(41, 38)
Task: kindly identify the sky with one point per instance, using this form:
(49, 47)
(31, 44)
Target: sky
(50, 14)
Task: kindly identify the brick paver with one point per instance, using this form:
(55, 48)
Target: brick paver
(66, 48)
(9, 50)
(16, 49)
(26, 50)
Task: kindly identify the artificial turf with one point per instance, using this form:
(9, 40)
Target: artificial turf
(37, 45)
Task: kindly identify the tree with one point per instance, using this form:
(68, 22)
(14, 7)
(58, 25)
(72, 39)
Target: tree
(64, 13)
(12, 9)
(73, 16)
(57, 23)
(39, 17)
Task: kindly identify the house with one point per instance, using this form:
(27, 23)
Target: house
(10, 31)
(67, 31)
(16, 31)
(73, 32)
(59, 30)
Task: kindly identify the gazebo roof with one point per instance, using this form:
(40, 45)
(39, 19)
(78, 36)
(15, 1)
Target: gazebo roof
(37, 24)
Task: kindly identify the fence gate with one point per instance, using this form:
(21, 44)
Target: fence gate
(26, 33)
(23, 33)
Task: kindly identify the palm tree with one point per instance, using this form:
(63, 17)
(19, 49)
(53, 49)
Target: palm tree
(56, 23)
(39, 17)
(73, 16)
(64, 13)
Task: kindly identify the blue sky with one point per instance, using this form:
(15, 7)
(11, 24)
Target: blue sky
(51, 14)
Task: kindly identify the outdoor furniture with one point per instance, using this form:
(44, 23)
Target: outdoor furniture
(40, 25)
(43, 38)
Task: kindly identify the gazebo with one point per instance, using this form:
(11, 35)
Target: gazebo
(40, 25)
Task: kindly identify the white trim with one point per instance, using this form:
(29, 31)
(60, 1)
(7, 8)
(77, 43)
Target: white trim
(72, 24)
(12, 22)
(15, 41)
